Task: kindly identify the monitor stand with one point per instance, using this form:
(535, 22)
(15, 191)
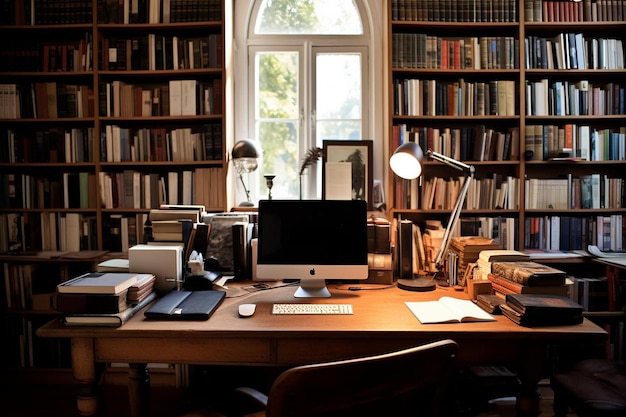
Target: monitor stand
(312, 288)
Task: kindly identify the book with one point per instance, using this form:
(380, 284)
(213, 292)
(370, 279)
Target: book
(91, 303)
(529, 273)
(141, 288)
(448, 310)
(98, 283)
(172, 230)
(113, 265)
(174, 214)
(502, 255)
(220, 243)
(543, 305)
(506, 286)
(108, 320)
(542, 310)
(490, 303)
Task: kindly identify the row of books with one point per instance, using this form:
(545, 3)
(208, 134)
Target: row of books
(126, 189)
(558, 232)
(26, 232)
(27, 286)
(591, 191)
(574, 11)
(415, 97)
(135, 189)
(496, 192)
(158, 11)
(577, 141)
(573, 51)
(45, 100)
(175, 98)
(123, 231)
(420, 50)
(477, 143)
(158, 52)
(464, 11)
(417, 247)
(104, 298)
(201, 143)
(50, 146)
(579, 98)
(43, 12)
(44, 191)
(48, 56)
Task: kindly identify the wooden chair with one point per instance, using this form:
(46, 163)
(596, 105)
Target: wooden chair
(406, 382)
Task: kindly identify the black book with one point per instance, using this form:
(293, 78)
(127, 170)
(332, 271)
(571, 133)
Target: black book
(543, 310)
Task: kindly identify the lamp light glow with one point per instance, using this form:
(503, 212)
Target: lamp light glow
(406, 161)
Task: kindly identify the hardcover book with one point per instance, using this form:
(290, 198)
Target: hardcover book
(542, 310)
(98, 283)
(91, 303)
(506, 286)
(108, 320)
(529, 273)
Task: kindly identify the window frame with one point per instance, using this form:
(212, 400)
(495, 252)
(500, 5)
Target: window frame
(372, 18)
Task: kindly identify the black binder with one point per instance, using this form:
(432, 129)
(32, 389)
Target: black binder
(186, 305)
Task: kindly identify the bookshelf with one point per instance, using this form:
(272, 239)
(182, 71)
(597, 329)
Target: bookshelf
(545, 131)
(107, 109)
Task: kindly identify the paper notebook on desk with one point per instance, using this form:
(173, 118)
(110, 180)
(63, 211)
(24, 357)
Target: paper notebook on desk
(448, 310)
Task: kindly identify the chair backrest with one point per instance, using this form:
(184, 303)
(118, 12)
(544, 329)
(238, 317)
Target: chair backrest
(405, 382)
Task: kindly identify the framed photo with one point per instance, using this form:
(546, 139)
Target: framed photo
(359, 154)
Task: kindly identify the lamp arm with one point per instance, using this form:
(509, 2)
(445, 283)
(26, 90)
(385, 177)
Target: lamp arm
(467, 169)
(456, 211)
(243, 184)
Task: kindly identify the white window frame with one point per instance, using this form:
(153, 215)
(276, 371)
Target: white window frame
(373, 14)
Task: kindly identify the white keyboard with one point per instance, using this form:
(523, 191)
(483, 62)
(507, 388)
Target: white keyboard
(312, 309)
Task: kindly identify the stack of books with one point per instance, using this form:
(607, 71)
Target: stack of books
(104, 298)
(467, 250)
(527, 277)
(486, 257)
(541, 310)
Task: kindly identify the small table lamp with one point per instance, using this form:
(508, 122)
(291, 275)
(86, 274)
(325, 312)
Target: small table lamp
(406, 162)
(245, 155)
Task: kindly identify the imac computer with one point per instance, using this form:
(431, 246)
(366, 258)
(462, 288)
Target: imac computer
(312, 241)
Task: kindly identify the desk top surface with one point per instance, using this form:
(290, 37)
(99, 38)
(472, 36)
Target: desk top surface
(377, 313)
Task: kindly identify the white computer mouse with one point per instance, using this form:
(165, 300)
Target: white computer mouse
(246, 310)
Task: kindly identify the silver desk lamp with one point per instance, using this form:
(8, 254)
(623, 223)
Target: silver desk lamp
(407, 162)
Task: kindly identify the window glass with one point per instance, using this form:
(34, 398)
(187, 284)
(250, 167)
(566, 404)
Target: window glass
(306, 17)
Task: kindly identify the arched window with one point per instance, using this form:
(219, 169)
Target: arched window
(306, 79)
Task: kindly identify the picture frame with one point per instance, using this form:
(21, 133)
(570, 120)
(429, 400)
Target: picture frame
(360, 153)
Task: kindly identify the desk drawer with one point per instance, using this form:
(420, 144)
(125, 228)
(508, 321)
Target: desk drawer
(192, 351)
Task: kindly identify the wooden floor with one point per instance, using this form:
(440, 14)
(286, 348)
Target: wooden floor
(58, 400)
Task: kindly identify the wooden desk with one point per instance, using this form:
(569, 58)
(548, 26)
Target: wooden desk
(381, 322)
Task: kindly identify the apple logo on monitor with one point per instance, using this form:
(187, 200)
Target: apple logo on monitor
(312, 271)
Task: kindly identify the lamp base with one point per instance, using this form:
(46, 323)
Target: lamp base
(419, 283)
(246, 204)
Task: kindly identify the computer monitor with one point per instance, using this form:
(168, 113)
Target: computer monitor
(313, 241)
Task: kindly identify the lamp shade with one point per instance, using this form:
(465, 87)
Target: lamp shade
(245, 155)
(406, 161)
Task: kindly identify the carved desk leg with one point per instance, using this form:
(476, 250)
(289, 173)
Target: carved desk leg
(139, 389)
(86, 373)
